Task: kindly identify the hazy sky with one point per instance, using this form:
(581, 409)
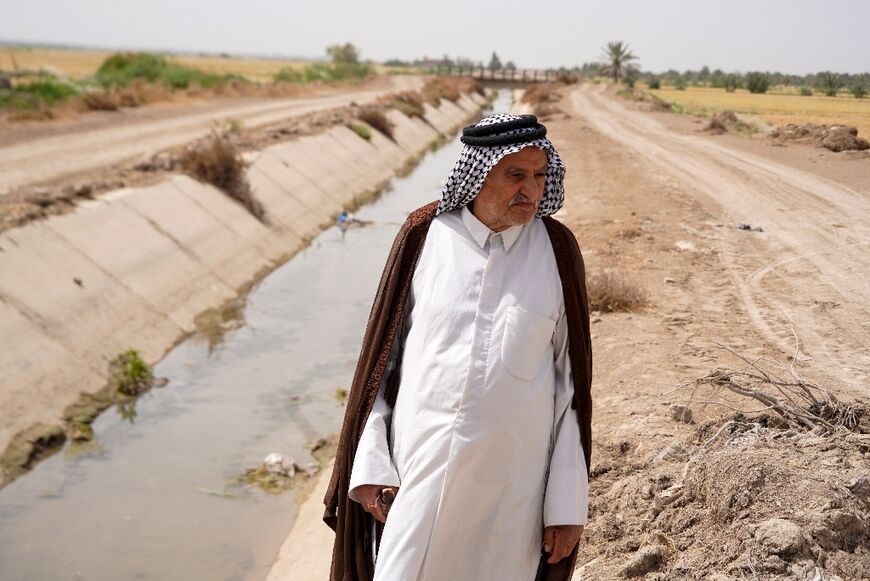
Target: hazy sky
(795, 36)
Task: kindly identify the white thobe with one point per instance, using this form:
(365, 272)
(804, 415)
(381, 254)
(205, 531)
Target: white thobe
(484, 445)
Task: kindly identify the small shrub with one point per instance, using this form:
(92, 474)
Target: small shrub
(376, 119)
(362, 131)
(757, 82)
(49, 91)
(680, 83)
(858, 90)
(541, 93)
(730, 83)
(131, 375)
(408, 102)
(100, 101)
(654, 83)
(325, 72)
(217, 161)
(806, 92)
(830, 83)
(611, 292)
(289, 75)
(628, 81)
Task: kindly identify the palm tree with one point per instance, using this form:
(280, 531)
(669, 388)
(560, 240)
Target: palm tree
(617, 60)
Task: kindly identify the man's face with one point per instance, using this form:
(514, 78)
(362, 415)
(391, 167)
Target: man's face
(512, 190)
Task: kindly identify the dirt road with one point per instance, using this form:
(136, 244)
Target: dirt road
(36, 154)
(807, 276)
(651, 196)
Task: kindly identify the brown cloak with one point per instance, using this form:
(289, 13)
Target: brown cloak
(352, 552)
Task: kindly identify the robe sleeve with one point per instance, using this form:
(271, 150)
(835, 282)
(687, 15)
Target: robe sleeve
(567, 493)
(373, 463)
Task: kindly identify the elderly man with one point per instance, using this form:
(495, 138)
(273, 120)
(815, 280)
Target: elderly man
(471, 399)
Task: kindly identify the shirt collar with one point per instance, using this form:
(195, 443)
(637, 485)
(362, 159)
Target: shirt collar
(481, 232)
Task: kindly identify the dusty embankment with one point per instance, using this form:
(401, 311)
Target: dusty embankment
(736, 492)
(42, 152)
(135, 267)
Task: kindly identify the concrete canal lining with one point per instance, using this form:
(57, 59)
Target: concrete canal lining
(133, 268)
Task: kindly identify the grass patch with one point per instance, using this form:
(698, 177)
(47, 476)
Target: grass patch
(362, 131)
(121, 69)
(36, 94)
(779, 106)
(377, 120)
(218, 162)
(611, 292)
(324, 72)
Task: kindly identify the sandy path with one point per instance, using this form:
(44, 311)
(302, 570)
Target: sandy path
(305, 553)
(814, 274)
(105, 139)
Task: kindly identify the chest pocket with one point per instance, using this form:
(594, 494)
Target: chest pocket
(526, 337)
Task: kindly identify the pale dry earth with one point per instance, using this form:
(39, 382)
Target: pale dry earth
(651, 196)
(39, 152)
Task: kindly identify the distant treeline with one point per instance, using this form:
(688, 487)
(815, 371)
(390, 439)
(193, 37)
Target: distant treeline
(720, 79)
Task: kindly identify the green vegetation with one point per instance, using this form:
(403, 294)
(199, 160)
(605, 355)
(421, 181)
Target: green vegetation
(122, 68)
(345, 66)
(131, 375)
(859, 89)
(362, 131)
(806, 92)
(757, 82)
(830, 83)
(680, 83)
(654, 83)
(730, 83)
(618, 60)
(42, 90)
(341, 395)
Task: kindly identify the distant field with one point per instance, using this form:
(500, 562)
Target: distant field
(776, 107)
(77, 64)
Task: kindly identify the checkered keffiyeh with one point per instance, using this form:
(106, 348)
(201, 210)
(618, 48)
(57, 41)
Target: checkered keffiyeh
(476, 161)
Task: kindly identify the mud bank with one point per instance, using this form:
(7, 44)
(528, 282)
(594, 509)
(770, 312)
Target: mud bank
(134, 268)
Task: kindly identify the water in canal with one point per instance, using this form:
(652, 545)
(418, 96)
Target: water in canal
(146, 503)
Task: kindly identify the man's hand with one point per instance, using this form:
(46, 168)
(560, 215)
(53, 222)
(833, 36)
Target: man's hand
(368, 496)
(560, 540)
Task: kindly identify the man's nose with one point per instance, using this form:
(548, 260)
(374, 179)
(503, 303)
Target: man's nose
(531, 190)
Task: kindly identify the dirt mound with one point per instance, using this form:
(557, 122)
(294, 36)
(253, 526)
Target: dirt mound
(723, 120)
(754, 500)
(834, 137)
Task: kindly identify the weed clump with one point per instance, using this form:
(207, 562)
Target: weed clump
(130, 374)
(408, 102)
(100, 101)
(362, 131)
(611, 292)
(376, 119)
(218, 162)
